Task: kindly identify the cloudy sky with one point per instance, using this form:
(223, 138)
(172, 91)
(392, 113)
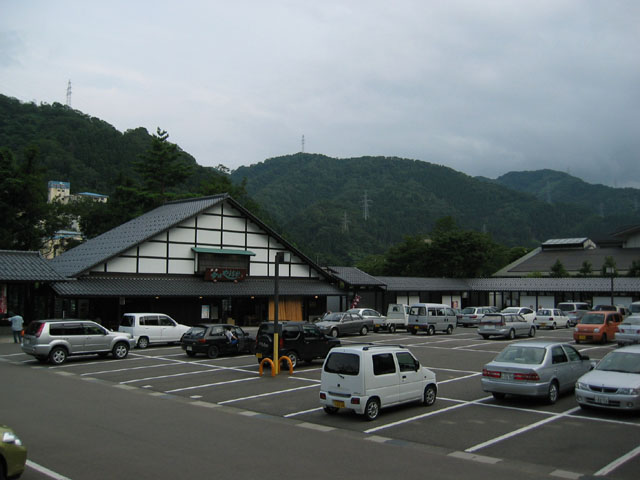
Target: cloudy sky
(481, 86)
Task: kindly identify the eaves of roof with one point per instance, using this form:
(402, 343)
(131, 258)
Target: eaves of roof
(26, 266)
(186, 286)
(424, 284)
(355, 277)
(546, 284)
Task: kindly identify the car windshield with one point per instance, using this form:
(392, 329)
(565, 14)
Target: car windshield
(343, 364)
(546, 313)
(332, 317)
(511, 310)
(521, 354)
(635, 308)
(468, 310)
(620, 362)
(565, 307)
(592, 319)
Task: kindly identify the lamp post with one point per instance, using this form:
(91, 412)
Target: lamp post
(611, 271)
(281, 257)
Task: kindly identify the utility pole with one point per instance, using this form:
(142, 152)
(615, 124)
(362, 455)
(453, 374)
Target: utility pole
(69, 94)
(365, 205)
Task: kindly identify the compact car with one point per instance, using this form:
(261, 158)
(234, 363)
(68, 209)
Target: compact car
(57, 339)
(211, 340)
(526, 312)
(367, 378)
(341, 323)
(629, 331)
(505, 325)
(551, 318)
(535, 369)
(614, 383)
(148, 328)
(13, 454)
(597, 326)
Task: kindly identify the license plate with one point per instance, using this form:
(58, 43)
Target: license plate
(582, 337)
(602, 400)
(258, 355)
(543, 324)
(189, 348)
(490, 327)
(338, 403)
(377, 325)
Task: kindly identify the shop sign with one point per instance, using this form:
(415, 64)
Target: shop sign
(225, 274)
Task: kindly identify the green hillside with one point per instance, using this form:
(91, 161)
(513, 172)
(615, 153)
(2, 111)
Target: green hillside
(320, 202)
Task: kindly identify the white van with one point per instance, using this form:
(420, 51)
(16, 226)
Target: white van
(148, 328)
(366, 378)
(432, 318)
(397, 316)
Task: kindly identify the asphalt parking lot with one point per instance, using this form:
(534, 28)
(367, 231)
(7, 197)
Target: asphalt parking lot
(465, 422)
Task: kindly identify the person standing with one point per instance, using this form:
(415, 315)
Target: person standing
(17, 324)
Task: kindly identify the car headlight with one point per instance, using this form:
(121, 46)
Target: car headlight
(596, 330)
(628, 391)
(581, 386)
(9, 437)
(576, 329)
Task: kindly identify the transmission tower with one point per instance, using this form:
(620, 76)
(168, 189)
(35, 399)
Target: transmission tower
(345, 223)
(365, 205)
(302, 143)
(69, 94)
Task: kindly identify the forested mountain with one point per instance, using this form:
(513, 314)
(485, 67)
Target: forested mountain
(338, 211)
(320, 201)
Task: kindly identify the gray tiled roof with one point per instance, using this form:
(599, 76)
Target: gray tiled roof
(187, 286)
(101, 248)
(354, 276)
(423, 284)
(23, 266)
(573, 284)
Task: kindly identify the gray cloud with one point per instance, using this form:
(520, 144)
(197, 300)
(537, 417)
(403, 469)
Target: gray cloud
(482, 87)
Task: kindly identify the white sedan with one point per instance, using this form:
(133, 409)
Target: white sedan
(551, 318)
(528, 314)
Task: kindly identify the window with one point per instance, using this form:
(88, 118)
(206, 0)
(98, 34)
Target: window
(127, 321)
(558, 355)
(151, 320)
(406, 362)
(383, 364)
(311, 331)
(417, 311)
(93, 330)
(343, 364)
(290, 333)
(573, 355)
(66, 329)
(166, 322)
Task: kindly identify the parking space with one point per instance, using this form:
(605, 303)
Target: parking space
(464, 421)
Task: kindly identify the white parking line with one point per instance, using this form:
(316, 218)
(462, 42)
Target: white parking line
(493, 441)
(289, 415)
(459, 378)
(46, 471)
(130, 369)
(617, 462)
(267, 394)
(212, 385)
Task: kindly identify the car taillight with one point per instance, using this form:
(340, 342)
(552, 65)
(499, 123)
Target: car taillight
(355, 400)
(533, 376)
(202, 340)
(281, 342)
(323, 395)
(473, 316)
(39, 329)
(491, 373)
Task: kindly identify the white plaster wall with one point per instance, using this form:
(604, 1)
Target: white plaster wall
(258, 270)
(232, 239)
(123, 265)
(208, 221)
(153, 265)
(150, 249)
(180, 250)
(182, 235)
(209, 237)
(254, 240)
(179, 267)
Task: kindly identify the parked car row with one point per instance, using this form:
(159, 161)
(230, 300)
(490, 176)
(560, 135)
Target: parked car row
(547, 369)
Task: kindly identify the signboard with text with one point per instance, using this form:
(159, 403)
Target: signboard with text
(224, 274)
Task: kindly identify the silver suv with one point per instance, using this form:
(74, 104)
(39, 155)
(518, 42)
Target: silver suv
(55, 340)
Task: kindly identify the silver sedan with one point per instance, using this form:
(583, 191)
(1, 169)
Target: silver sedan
(505, 325)
(629, 331)
(536, 369)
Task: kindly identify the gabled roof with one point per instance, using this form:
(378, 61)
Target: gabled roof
(24, 266)
(355, 277)
(98, 250)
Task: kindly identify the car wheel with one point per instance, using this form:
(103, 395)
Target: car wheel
(330, 410)
(532, 332)
(553, 326)
(512, 334)
(552, 393)
(375, 330)
(449, 330)
(486, 337)
(364, 330)
(414, 331)
(293, 356)
(431, 330)
(429, 396)
(372, 409)
(392, 329)
(498, 395)
(604, 338)
(212, 351)
(191, 354)
(334, 332)
(120, 350)
(58, 356)
(143, 342)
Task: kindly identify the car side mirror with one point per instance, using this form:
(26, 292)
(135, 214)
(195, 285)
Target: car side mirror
(593, 364)
(416, 365)
(584, 356)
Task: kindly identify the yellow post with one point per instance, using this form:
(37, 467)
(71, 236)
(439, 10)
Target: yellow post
(276, 363)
